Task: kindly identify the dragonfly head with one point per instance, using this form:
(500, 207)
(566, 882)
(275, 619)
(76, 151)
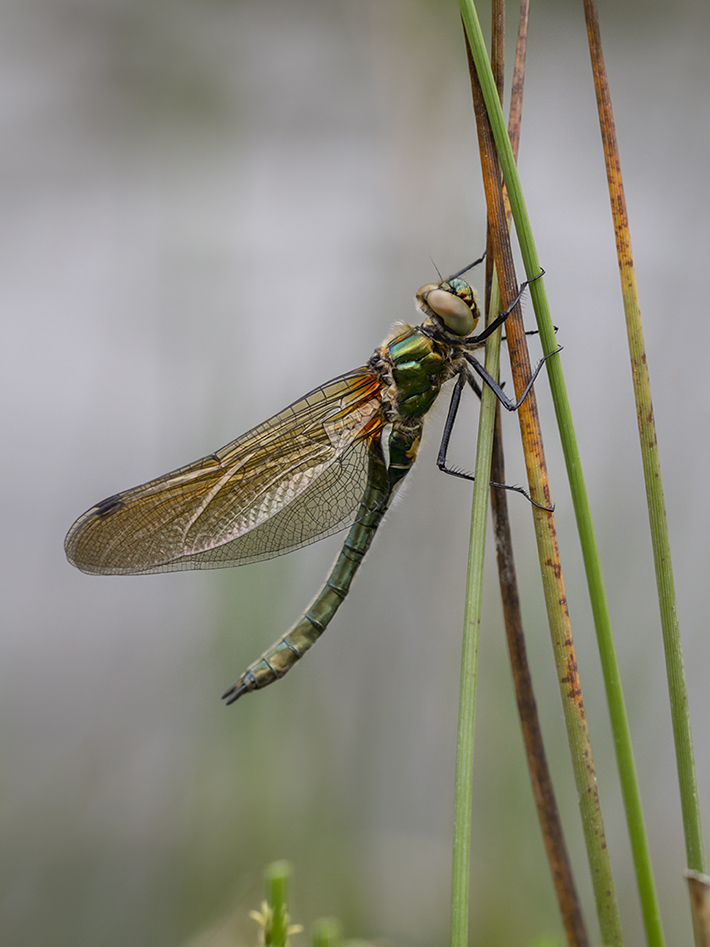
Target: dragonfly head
(451, 304)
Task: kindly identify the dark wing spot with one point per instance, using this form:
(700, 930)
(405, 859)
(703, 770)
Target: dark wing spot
(109, 505)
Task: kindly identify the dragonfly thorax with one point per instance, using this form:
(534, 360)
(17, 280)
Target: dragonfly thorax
(413, 365)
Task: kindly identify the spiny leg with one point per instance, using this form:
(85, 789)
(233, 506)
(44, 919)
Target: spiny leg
(461, 380)
(466, 268)
(501, 317)
(463, 377)
(504, 338)
(495, 387)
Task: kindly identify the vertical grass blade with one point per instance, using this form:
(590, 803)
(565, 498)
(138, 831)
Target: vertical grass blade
(607, 909)
(612, 677)
(540, 776)
(273, 918)
(327, 933)
(463, 791)
(680, 713)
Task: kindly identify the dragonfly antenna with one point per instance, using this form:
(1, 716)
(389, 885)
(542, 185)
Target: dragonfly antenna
(438, 271)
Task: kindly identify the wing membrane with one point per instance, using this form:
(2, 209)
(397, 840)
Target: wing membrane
(294, 479)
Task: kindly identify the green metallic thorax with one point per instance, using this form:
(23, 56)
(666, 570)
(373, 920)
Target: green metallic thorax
(415, 367)
(419, 368)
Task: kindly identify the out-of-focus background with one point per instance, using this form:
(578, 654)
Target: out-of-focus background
(207, 209)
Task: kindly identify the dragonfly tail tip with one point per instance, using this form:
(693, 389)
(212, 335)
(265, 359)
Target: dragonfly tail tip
(235, 692)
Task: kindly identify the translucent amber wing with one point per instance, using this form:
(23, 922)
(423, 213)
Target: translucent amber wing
(294, 479)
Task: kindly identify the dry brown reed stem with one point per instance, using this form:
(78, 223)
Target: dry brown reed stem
(553, 584)
(543, 790)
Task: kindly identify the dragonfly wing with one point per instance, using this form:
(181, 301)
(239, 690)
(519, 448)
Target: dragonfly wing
(294, 479)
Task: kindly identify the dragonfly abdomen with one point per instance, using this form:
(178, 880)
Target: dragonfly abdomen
(290, 648)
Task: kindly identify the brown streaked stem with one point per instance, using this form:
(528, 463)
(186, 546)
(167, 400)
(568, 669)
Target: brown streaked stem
(685, 760)
(699, 889)
(553, 585)
(543, 790)
(580, 498)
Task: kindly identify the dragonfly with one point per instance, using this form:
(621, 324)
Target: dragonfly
(332, 459)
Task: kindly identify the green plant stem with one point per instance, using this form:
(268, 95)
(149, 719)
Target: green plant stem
(278, 875)
(612, 678)
(680, 713)
(327, 933)
(578, 735)
(463, 792)
(540, 776)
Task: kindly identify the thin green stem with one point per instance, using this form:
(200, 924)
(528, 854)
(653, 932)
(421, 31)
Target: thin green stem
(650, 455)
(273, 917)
(463, 793)
(608, 915)
(278, 875)
(607, 908)
(327, 932)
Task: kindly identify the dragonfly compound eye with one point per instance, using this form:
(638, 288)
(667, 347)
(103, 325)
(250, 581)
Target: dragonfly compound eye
(458, 314)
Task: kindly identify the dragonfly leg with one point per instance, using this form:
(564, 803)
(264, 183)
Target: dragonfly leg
(501, 317)
(504, 338)
(450, 421)
(496, 388)
(462, 378)
(466, 268)
(441, 461)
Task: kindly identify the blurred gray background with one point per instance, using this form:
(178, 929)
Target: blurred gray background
(207, 209)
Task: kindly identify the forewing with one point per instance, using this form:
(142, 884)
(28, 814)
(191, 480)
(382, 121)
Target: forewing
(294, 479)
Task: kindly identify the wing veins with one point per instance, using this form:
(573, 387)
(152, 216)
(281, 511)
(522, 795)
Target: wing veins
(227, 495)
